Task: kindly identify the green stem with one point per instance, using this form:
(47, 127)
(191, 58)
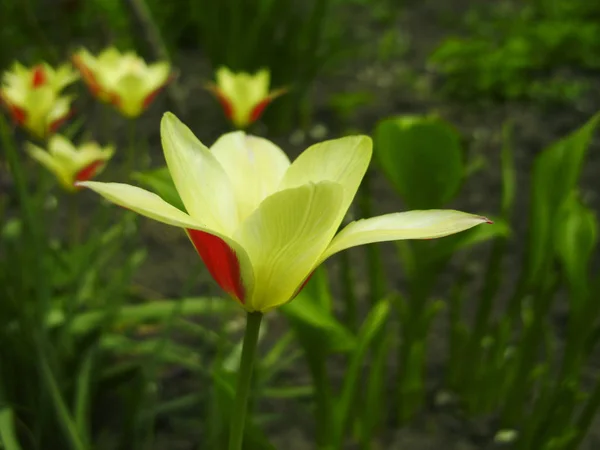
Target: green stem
(240, 406)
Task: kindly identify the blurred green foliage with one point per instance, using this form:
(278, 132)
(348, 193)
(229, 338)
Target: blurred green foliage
(74, 335)
(538, 49)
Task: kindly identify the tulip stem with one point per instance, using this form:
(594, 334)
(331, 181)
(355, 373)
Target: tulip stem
(240, 405)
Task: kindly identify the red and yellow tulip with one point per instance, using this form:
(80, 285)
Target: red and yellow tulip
(243, 96)
(71, 164)
(261, 224)
(33, 97)
(122, 79)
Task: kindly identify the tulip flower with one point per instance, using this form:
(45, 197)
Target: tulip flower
(71, 164)
(122, 79)
(263, 225)
(243, 96)
(32, 96)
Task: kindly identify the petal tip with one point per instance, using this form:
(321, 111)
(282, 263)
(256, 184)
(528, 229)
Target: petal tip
(80, 184)
(486, 220)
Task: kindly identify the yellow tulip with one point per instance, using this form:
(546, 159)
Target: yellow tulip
(243, 96)
(71, 164)
(263, 225)
(32, 96)
(123, 79)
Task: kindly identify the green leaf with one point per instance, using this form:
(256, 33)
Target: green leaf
(509, 177)
(555, 175)
(369, 330)
(8, 437)
(84, 393)
(62, 412)
(575, 239)
(171, 353)
(150, 311)
(307, 316)
(318, 288)
(422, 157)
(375, 401)
(160, 181)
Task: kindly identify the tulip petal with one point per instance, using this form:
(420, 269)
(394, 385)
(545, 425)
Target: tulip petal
(201, 182)
(343, 161)
(243, 91)
(222, 98)
(221, 261)
(128, 94)
(143, 202)
(236, 277)
(18, 114)
(260, 107)
(90, 170)
(50, 163)
(427, 224)
(38, 76)
(254, 165)
(285, 237)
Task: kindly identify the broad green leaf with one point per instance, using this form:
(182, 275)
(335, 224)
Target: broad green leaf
(160, 181)
(575, 239)
(422, 157)
(318, 288)
(555, 175)
(8, 437)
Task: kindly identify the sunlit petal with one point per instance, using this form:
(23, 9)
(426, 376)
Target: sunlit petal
(50, 163)
(428, 224)
(285, 237)
(254, 165)
(211, 250)
(343, 161)
(203, 185)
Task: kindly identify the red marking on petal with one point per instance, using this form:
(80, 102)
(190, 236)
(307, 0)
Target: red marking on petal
(220, 260)
(150, 98)
(259, 109)
(302, 285)
(39, 76)
(89, 171)
(114, 99)
(18, 114)
(488, 220)
(88, 77)
(60, 121)
(225, 103)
